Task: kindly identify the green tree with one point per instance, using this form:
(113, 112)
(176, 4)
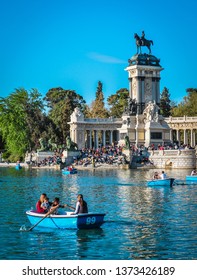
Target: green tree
(97, 108)
(117, 102)
(188, 106)
(165, 103)
(61, 105)
(21, 121)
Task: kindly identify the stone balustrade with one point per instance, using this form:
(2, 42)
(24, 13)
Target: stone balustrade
(174, 158)
(107, 120)
(181, 119)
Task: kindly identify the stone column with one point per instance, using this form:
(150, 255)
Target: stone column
(72, 134)
(171, 135)
(118, 135)
(185, 137)
(95, 139)
(192, 138)
(143, 94)
(138, 90)
(154, 89)
(178, 136)
(136, 137)
(104, 138)
(158, 91)
(90, 139)
(97, 142)
(111, 137)
(130, 88)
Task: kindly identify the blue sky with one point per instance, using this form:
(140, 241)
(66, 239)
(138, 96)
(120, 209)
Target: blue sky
(74, 44)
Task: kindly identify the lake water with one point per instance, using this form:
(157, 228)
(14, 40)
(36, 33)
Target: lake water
(141, 222)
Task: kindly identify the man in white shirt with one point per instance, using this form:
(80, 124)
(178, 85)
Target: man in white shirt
(163, 175)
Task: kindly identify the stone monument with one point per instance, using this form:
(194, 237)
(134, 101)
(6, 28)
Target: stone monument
(142, 121)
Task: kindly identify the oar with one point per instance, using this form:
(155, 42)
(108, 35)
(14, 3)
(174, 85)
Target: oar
(47, 214)
(69, 206)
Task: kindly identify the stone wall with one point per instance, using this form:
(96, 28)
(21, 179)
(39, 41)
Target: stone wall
(174, 158)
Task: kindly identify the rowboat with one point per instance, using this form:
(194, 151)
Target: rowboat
(65, 220)
(66, 171)
(191, 178)
(161, 182)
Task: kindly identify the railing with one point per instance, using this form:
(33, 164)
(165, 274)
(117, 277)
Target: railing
(180, 119)
(108, 120)
(173, 152)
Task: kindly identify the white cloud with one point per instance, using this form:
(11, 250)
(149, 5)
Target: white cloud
(105, 58)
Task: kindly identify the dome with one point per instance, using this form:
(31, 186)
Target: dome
(144, 59)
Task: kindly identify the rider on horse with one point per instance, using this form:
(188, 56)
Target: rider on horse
(141, 42)
(143, 38)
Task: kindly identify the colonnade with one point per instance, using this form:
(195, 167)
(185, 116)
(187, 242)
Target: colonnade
(95, 138)
(189, 136)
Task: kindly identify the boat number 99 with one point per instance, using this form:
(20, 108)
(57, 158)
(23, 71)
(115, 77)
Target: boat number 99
(90, 220)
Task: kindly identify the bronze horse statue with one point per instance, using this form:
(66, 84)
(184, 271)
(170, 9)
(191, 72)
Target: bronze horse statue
(142, 42)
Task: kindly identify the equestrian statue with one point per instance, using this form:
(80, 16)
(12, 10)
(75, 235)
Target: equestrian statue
(142, 42)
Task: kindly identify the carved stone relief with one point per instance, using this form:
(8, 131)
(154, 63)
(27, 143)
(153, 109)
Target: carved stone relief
(148, 90)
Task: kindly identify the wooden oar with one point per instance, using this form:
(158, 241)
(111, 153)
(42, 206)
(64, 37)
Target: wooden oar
(66, 205)
(47, 214)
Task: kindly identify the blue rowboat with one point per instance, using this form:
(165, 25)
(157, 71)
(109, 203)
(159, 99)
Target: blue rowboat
(18, 167)
(161, 182)
(65, 171)
(65, 220)
(191, 178)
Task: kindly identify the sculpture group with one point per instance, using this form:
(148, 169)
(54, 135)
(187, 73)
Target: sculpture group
(131, 109)
(142, 42)
(50, 146)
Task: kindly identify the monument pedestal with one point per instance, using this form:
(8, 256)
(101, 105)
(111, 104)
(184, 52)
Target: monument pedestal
(69, 156)
(127, 129)
(40, 156)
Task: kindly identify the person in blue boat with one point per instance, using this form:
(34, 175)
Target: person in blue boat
(46, 204)
(56, 204)
(163, 175)
(81, 205)
(39, 208)
(194, 173)
(156, 176)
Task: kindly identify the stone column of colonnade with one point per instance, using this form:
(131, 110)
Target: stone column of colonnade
(193, 137)
(104, 137)
(178, 136)
(185, 137)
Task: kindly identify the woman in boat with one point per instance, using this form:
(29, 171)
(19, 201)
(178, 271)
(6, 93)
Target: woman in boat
(39, 207)
(156, 176)
(81, 205)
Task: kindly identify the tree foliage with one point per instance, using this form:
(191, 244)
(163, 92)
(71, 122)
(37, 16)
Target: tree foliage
(117, 102)
(165, 103)
(21, 121)
(61, 105)
(97, 108)
(187, 107)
